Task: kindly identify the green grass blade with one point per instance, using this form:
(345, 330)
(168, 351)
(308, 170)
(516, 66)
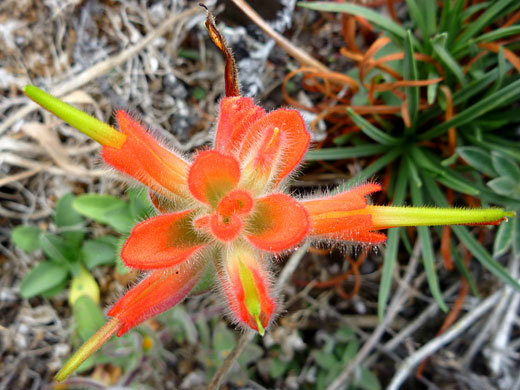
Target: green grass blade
(392, 245)
(376, 18)
(489, 103)
(410, 73)
(371, 131)
(346, 152)
(483, 20)
(470, 242)
(464, 271)
(449, 62)
(417, 16)
(429, 10)
(471, 89)
(443, 175)
(375, 167)
(427, 248)
(484, 257)
(498, 34)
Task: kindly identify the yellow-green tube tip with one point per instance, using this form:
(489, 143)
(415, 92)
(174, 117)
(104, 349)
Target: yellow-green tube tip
(88, 348)
(259, 325)
(100, 132)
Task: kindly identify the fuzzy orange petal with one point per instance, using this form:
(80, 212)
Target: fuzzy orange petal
(144, 159)
(356, 228)
(353, 199)
(246, 286)
(161, 242)
(212, 176)
(278, 223)
(237, 114)
(158, 292)
(283, 127)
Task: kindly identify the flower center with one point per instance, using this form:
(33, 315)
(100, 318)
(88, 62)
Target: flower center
(227, 222)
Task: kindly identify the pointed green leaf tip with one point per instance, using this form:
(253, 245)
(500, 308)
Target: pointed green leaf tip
(100, 132)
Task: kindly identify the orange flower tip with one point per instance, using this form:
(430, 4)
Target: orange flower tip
(88, 348)
(100, 132)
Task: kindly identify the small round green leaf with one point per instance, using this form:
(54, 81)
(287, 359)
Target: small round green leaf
(43, 277)
(505, 166)
(27, 238)
(69, 220)
(56, 248)
(478, 158)
(504, 238)
(98, 252)
(96, 206)
(503, 185)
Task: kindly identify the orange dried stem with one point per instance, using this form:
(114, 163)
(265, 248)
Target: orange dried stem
(231, 72)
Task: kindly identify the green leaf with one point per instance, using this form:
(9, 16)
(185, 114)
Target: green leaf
(98, 252)
(106, 209)
(57, 249)
(516, 234)
(482, 21)
(446, 176)
(352, 9)
(67, 217)
(464, 270)
(370, 130)
(427, 251)
(504, 238)
(277, 368)
(140, 205)
(375, 167)
(368, 380)
(55, 290)
(498, 34)
(252, 353)
(505, 166)
(417, 17)
(483, 256)
(223, 340)
(489, 103)
(410, 73)
(503, 186)
(478, 158)
(41, 278)
(471, 242)
(449, 62)
(88, 317)
(27, 238)
(346, 152)
(432, 89)
(392, 245)
(96, 206)
(121, 219)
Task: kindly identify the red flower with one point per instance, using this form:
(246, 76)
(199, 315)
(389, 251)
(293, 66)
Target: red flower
(225, 214)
